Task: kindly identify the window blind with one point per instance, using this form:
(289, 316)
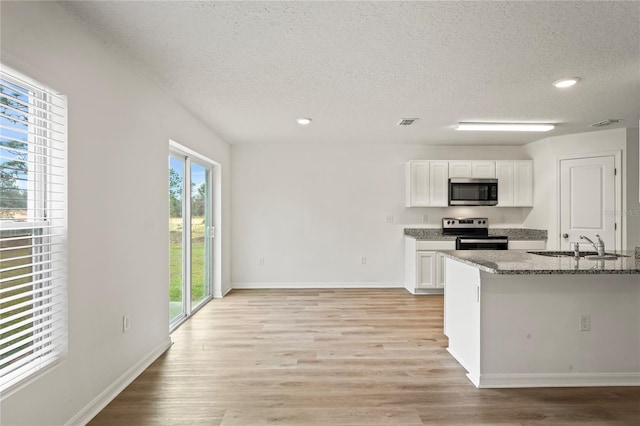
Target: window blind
(33, 227)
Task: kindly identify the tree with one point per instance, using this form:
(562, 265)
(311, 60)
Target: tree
(14, 168)
(198, 199)
(175, 194)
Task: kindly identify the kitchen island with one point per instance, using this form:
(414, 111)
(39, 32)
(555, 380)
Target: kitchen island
(516, 319)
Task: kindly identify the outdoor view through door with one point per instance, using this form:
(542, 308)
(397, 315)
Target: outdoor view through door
(190, 236)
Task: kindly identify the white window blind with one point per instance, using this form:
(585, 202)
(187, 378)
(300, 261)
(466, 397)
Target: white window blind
(33, 227)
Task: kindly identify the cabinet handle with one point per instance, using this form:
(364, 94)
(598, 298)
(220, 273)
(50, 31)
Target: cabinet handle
(565, 235)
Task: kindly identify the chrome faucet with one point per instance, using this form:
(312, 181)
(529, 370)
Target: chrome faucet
(599, 246)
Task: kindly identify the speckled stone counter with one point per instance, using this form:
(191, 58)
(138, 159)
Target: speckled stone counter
(516, 234)
(518, 262)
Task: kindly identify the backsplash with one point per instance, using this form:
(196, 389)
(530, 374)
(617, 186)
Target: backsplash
(432, 216)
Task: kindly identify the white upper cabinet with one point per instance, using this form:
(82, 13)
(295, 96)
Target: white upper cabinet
(483, 169)
(439, 184)
(417, 183)
(523, 183)
(472, 169)
(515, 183)
(504, 173)
(459, 169)
(427, 183)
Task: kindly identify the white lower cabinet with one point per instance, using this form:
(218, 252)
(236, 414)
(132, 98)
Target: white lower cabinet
(426, 272)
(424, 266)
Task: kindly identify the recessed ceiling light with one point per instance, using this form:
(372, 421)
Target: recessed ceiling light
(303, 121)
(506, 127)
(566, 82)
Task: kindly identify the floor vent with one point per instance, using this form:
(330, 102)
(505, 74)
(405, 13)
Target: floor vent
(407, 121)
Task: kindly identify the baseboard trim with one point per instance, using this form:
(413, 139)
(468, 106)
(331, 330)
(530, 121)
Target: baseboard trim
(222, 293)
(425, 291)
(557, 380)
(106, 396)
(226, 290)
(302, 285)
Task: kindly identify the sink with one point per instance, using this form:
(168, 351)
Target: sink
(607, 256)
(589, 255)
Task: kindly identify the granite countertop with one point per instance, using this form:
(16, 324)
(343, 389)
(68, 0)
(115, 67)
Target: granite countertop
(519, 262)
(516, 234)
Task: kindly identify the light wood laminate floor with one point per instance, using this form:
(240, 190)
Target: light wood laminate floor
(336, 357)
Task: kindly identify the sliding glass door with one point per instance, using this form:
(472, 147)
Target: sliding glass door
(176, 239)
(190, 235)
(200, 241)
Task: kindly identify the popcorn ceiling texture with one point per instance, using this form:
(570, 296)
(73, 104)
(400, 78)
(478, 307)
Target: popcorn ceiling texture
(248, 69)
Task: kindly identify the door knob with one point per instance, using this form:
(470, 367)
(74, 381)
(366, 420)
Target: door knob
(565, 235)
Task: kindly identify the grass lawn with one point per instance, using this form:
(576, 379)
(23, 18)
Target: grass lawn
(198, 285)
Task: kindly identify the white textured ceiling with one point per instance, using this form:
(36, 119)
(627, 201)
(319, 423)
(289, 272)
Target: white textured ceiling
(248, 69)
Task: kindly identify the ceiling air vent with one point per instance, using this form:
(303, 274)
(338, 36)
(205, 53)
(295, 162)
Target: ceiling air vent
(606, 122)
(407, 121)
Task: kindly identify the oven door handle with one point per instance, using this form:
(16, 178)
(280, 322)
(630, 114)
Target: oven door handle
(472, 241)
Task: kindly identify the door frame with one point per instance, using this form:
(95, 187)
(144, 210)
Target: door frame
(215, 207)
(618, 202)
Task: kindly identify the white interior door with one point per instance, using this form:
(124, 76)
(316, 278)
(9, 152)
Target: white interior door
(587, 201)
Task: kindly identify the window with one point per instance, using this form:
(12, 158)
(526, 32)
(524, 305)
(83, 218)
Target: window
(33, 227)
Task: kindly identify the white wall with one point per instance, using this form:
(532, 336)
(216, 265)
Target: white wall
(119, 128)
(631, 189)
(545, 154)
(312, 212)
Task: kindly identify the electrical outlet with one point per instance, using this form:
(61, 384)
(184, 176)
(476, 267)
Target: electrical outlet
(390, 218)
(425, 218)
(363, 260)
(261, 261)
(126, 323)
(585, 322)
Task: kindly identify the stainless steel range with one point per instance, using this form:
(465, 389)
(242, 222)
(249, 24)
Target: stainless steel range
(473, 234)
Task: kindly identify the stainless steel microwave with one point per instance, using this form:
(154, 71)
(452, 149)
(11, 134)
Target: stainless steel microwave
(473, 192)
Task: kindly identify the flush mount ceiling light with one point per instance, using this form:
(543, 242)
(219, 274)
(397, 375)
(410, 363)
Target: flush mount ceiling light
(303, 121)
(505, 127)
(566, 82)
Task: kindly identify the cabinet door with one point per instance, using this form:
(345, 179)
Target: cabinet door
(460, 169)
(417, 183)
(504, 173)
(440, 270)
(439, 183)
(523, 183)
(426, 273)
(483, 169)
